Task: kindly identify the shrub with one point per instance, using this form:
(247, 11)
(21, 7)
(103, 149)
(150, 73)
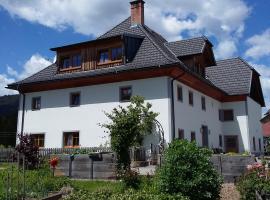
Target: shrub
(255, 179)
(27, 148)
(187, 170)
(131, 179)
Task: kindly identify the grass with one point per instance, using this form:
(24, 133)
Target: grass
(93, 186)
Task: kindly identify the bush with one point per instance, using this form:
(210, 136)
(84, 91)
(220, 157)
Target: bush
(187, 170)
(27, 148)
(255, 179)
(131, 179)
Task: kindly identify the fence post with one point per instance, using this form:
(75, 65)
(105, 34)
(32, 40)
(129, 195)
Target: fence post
(91, 168)
(71, 158)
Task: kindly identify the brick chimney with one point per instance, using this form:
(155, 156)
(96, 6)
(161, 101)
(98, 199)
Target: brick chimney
(137, 12)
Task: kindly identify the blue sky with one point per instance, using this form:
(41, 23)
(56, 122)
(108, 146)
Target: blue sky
(29, 29)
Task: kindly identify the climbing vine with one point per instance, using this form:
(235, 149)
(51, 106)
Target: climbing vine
(128, 127)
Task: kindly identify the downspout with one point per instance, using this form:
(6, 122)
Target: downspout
(23, 109)
(172, 105)
(23, 112)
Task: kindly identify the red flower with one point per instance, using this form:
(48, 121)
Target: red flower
(54, 162)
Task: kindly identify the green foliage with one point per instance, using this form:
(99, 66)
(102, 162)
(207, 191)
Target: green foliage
(30, 151)
(131, 179)
(187, 170)
(38, 182)
(128, 127)
(128, 195)
(251, 182)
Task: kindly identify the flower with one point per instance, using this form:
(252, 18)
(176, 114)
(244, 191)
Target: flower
(54, 162)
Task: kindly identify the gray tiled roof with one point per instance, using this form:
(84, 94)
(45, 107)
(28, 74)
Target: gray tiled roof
(232, 76)
(188, 47)
(152, 52)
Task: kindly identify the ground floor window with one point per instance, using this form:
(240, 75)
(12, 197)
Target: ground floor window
(260, 145)
(71, 139)
(181, 134)
(38, 139)
(254, 144)
(193, 136)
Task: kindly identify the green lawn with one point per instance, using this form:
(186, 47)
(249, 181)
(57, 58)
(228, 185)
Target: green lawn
(93, 186)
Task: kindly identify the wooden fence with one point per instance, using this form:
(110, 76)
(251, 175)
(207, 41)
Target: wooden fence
(136, 154)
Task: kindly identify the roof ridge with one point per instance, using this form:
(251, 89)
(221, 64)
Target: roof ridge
(204, 37)
(157, 46)
(114, 27)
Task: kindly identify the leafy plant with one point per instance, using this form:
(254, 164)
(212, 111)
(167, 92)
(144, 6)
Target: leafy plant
(131, 179)
(29, 150)
(187, 170)
(128, 127)
(255, 179)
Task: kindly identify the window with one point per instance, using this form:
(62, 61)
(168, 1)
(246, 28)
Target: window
(36, 103)
(181, 134)
(110, 55)
(220, 141)
(71, 61)
(180, 93)
(116, 53)
(190, 98)
(38, 139)
(76, 60)
(226, 115)
(75, 99)
(71, 140)
(104, 56)
(254, 144)
(65, 63)
(193, 136)
(203, 103)
(260, 145)
(125, 93)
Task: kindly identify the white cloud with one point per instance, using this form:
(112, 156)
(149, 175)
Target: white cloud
(4, 81)
(223, 19)
(31, 66)
(259, 45)
(225, 49)
(265, 81)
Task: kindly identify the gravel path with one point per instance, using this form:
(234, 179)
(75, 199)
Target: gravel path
(229, 192)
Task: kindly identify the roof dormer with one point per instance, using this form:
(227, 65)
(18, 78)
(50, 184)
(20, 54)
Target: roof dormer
(97, 54)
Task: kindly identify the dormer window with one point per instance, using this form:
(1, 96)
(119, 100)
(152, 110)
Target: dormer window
(76, 60)
(65, 63)
(104, 56)
(110, 55)
(116, 53)
(70, 62)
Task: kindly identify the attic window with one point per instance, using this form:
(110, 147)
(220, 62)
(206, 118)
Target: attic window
(104, 56)
(116, 53)
(70, 62)
(110, 55)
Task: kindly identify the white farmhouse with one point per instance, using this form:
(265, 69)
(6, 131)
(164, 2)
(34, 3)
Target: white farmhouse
(216, 103)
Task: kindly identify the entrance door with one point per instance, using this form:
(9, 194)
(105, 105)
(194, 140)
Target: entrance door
(205, 136)
(231, 143)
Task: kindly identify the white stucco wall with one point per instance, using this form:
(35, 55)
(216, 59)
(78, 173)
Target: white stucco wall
(191, 118)
(56, 116)
(239, 126)
(255, 128)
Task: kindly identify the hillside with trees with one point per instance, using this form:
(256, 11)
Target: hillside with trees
(8, 119)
